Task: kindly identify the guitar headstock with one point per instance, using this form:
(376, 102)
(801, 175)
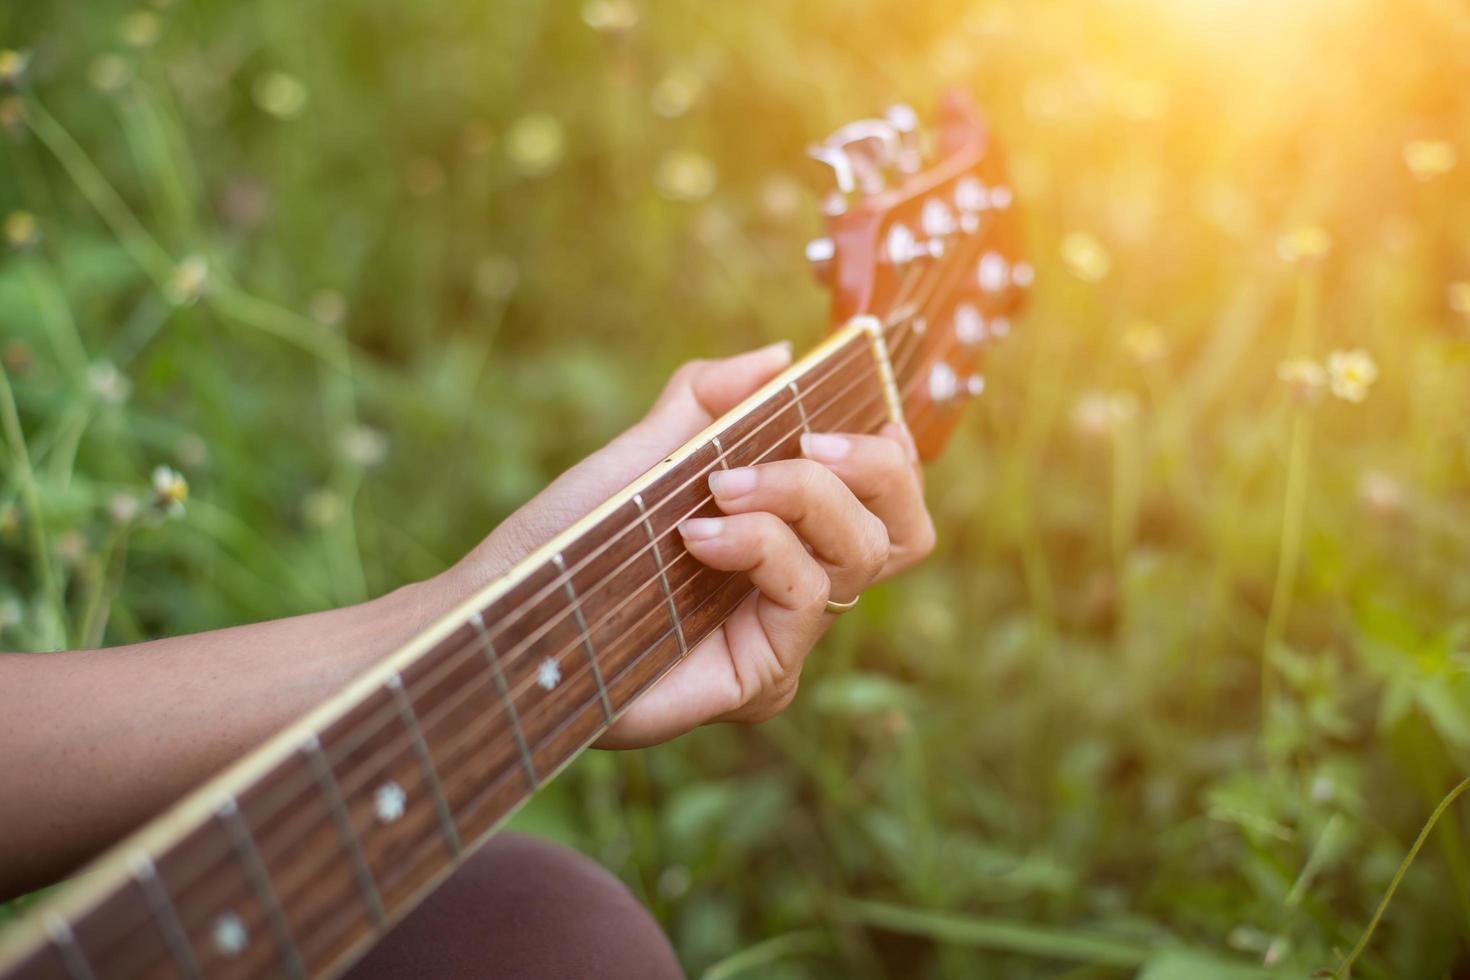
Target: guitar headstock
(923, 233)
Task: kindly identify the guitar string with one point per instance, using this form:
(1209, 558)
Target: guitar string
(511, 772)
(546, 703)
(397, 749)
(898, 342)
(300, 784)
(496, 629)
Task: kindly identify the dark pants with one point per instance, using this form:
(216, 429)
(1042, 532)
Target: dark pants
(524, 907)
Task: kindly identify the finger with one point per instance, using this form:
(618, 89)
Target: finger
(702, 391)
(845, 536)
(880, 472)
(793, 587)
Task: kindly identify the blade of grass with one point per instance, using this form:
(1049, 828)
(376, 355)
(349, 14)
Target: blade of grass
(1344, 969)
(53, 630)
(807, 942)
(997, 934)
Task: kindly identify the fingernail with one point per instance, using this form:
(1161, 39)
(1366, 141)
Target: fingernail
(732, 483)
(781, 349)
(701, 528)
(825, 448)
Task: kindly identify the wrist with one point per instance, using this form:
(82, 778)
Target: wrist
(407, 611)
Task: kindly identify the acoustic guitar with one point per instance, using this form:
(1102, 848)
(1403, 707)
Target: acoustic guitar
(293, 861)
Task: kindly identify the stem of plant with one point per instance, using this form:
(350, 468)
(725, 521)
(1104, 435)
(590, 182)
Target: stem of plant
(1344, 968)
(30, 494)
(1289, 559)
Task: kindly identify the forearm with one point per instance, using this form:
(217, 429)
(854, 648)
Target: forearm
(96, 742)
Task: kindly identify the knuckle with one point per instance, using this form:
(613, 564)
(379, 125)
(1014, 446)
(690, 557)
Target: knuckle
(771, 532)
(809, 477)
(777, 700)
(783, 698)
(926, 538)
(876, 548)
(687, 371)
(891, 456)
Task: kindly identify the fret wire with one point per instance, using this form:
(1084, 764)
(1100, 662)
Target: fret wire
(561, 568)
(671, 534)
(806, 427)
(327, 782)
(663, 576)
(866, 405)
(478, 622)
(720, 454)
(831, 372)
(862, 407)
(489, 790)
(426, 761)
(156, 893)
(260, 881)
(72, 957)
(833, 369)
(691, 480)
(846, 389)
(854, 355)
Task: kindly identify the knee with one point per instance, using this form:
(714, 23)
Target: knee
(523, 906)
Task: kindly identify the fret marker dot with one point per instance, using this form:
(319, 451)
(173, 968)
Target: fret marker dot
(548, 675)
(229, 934)
(389, 802)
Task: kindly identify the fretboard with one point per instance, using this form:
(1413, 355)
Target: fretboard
(295, 860)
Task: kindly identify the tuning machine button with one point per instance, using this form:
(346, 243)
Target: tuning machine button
(969, 325)
(870, 149)
(937, 219)
(901, 246)
(911, 151)
(843, 178)
(822, 254)
(944, 384)
(946, 388)
(993, 272)
(970, 195)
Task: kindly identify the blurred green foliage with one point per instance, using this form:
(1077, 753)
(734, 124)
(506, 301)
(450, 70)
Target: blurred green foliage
(1188, 675)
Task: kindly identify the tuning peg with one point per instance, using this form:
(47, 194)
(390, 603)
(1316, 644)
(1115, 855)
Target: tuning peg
(821, 253)
(842, 176)
(937, 219)
(944, 384)
(971, 198)
(901, 246)
(994, 272)
(969, 325)
(946, 388)
(872, 148)
(911, 151)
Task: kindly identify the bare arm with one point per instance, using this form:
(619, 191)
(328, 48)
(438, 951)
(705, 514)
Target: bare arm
(96, 742)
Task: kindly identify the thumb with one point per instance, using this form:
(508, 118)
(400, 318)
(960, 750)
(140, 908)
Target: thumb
(702, 391)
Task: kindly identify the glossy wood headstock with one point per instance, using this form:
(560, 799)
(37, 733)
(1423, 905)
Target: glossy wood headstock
(923, 233)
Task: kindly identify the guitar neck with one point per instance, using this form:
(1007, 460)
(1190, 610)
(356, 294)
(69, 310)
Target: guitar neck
(296, 859)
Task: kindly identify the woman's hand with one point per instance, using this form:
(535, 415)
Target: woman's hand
(848, 514)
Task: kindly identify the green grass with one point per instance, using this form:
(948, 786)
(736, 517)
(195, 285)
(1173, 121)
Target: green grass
(1188, 676)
